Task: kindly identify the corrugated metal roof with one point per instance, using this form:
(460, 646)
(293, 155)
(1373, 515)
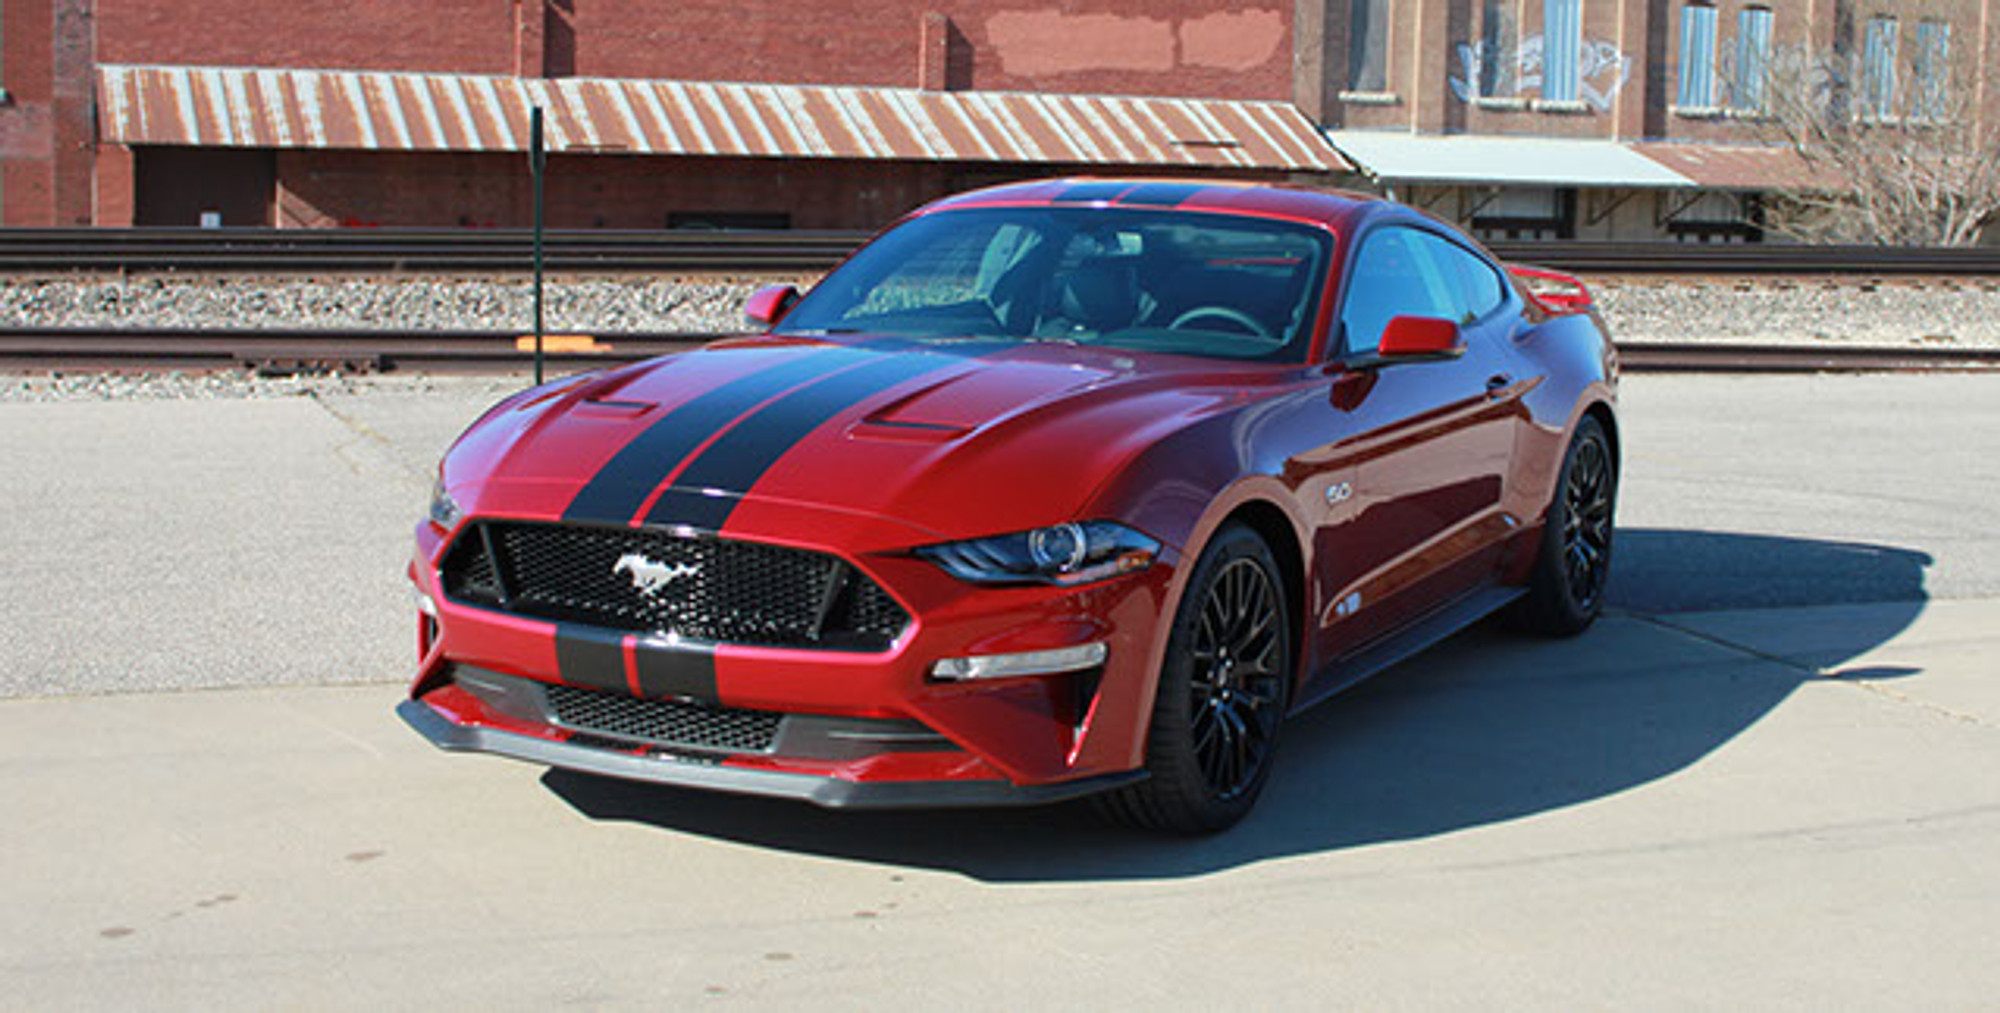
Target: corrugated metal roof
(1738, 167)
(234, 107)
(1400, 157)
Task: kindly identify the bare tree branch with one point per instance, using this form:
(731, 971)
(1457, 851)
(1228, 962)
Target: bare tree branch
(1894, 151)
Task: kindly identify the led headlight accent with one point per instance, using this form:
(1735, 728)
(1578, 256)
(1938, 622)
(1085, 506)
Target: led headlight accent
(1064, 554)
(444, 510)
(1001, 666)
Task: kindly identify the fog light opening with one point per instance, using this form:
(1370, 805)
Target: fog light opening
(1002, 666)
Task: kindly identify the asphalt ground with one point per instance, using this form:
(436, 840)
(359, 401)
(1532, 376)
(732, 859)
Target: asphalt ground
(1770, 777)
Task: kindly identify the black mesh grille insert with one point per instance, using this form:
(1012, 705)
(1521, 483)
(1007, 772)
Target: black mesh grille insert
(702, 588)
(662, 722)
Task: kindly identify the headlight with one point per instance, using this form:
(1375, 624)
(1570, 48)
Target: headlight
(444, 510)
(1064, 554)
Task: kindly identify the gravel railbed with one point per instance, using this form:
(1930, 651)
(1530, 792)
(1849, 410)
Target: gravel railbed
(1900, 311)
(224, 386)
(572, 304)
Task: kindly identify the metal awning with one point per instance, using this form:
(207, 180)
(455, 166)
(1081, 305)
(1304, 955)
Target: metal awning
(1737, 167)
(361, 110)
(1466, 159)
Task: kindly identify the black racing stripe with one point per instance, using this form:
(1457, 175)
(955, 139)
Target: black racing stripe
(735, 462)
(741, 456)
(591, 657)
(1162, 194)
(619, 488)
(687, 672)
(1084, 192)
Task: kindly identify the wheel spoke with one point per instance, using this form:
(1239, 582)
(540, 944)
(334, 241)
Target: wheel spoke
(1237, 657)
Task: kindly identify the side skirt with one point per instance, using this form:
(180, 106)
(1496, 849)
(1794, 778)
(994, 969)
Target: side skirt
(1351, 668)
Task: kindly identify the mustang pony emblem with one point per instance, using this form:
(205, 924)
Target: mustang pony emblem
(649, 577)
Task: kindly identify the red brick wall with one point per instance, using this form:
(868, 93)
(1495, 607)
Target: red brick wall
(26, 140)
(332, 188)
(1218, 48)
(318, 189)
(46, 138)
(463, 36)
(1215, 48)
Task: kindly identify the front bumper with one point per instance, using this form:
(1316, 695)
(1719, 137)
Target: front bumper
(666, 769)
(1002, 741)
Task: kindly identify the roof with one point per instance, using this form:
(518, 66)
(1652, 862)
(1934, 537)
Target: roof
(366, 110)
(1732, 167)
(1301, 203)
(1402, 157)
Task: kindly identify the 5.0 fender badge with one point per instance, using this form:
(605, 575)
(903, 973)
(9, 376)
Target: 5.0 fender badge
(650, 577)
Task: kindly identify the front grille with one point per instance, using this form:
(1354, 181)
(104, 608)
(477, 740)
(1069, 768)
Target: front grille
(702, 588)
(663, 722)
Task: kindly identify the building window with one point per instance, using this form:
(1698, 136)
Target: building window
(1368, 46)
(1697, 57)
(1878, 70)
(1933, 66)
(1753, 59)
(1562, 43)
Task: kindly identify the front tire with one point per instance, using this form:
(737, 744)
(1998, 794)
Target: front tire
(1223, 690)
(1573, 565)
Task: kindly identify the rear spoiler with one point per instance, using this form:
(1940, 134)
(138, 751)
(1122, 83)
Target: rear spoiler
(1553, 291)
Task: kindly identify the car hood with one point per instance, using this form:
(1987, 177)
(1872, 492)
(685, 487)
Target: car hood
(760, 436)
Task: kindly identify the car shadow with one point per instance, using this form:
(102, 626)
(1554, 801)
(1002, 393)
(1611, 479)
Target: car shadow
(1487, 727)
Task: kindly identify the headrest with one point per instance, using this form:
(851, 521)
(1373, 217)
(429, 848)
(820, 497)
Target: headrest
(1101, 294)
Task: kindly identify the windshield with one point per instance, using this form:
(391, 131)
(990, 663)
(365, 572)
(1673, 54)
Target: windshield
(1162, 281)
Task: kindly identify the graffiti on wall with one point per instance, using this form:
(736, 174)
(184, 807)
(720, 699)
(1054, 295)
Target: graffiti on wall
(1491, 68)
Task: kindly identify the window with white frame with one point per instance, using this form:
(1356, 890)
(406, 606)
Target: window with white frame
(1697, 90)
(1878, 69)
(1933, 70)
(1562, 45)
(1753, 59)
(1368, 46)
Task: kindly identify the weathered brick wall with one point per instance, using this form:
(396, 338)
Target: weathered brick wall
(1215, 48)
(459, 36)
(317, 189)
(27, 143)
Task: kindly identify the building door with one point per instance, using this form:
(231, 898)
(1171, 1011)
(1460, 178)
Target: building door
(221, 187)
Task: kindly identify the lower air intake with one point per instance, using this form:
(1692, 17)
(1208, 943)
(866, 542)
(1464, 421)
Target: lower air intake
(663, 722)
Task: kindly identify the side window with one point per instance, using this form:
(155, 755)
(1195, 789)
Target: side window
(1394, 275)
(1480, 290)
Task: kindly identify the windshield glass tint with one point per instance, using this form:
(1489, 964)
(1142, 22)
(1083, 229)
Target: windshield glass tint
(1164, 281)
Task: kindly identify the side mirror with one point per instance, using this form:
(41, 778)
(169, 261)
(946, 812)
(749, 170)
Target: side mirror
(770, 304)
(1420, 338)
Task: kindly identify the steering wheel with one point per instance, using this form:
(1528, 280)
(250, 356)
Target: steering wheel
(1228, 313)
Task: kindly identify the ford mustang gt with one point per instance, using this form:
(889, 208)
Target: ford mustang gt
(1062, 488)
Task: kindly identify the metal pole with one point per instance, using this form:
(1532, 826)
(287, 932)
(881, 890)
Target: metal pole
(537, 168)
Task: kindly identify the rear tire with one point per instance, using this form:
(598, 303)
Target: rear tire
(1223, 690)
(1573, 563)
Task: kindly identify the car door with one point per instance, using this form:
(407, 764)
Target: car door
(1429, 442)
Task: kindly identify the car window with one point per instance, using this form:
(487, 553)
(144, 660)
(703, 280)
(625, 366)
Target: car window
(1479, 288)
(1394, 275)
(947, 273)
(1142, 278)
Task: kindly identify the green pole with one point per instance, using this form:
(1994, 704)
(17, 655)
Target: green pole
(537, 168)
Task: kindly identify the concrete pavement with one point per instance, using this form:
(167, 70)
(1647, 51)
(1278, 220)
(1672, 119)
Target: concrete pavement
(1771, 778)
(1742, 809)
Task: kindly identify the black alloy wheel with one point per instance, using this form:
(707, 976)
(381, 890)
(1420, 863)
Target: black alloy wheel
(1573, 565)
(1223, 692)
(1235, 692)
(1586, 532)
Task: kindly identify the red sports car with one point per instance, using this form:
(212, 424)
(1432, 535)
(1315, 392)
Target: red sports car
(1061, 488)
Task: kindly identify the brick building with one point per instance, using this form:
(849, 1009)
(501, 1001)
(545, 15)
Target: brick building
(1587, 118)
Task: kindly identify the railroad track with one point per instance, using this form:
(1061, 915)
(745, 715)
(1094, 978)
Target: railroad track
(321, 351)
(799, 252)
